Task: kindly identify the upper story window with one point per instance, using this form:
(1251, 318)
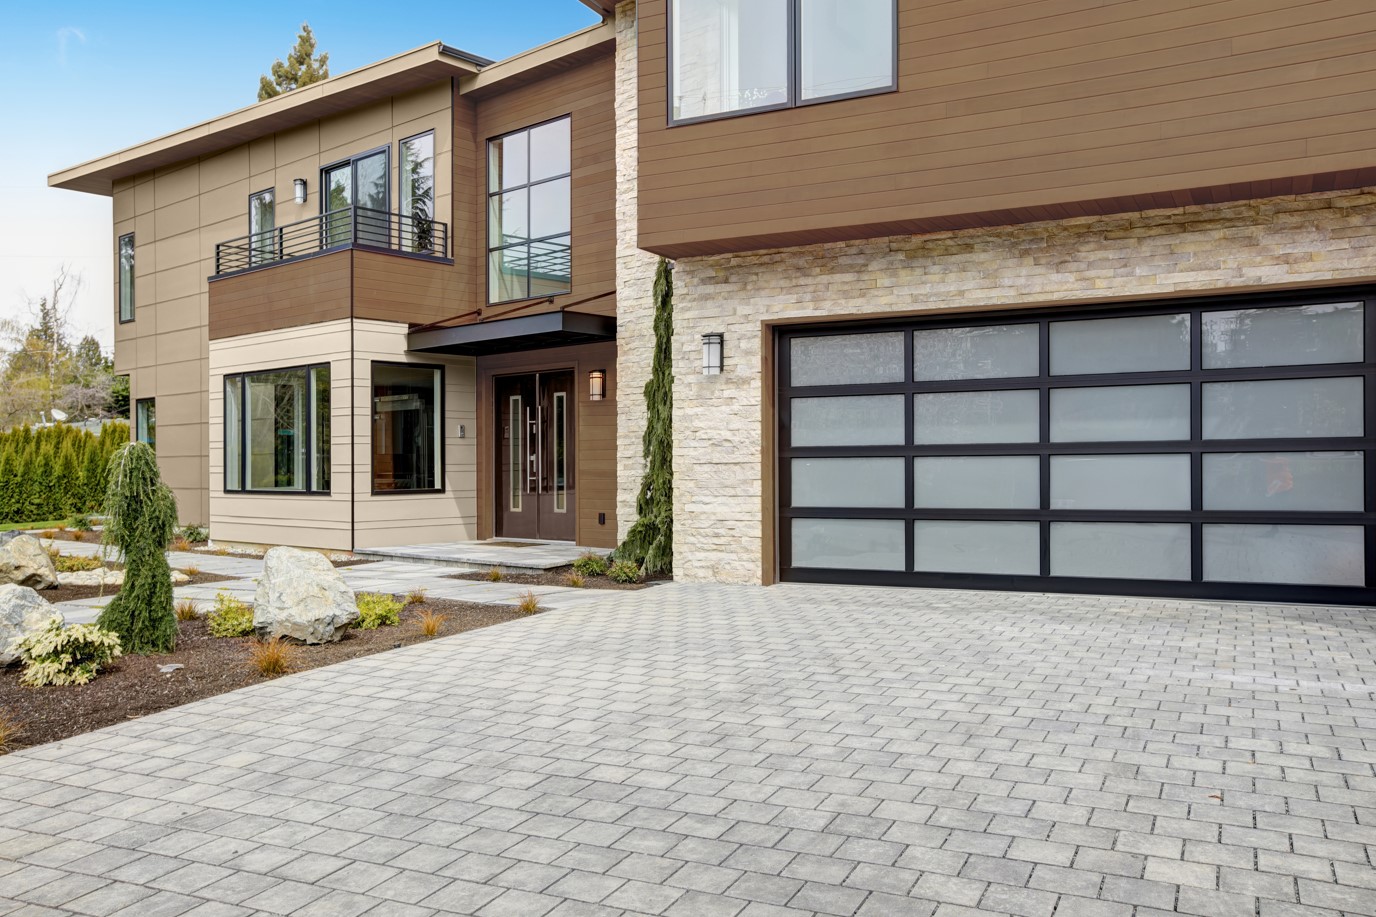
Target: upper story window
(529, 213)
(354, 197)
(735, 56)
(126, 277)
(262, 222)
(417, 191)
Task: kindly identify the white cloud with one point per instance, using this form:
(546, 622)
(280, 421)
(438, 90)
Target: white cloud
(64, 37)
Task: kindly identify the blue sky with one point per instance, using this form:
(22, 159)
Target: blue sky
(84, 79)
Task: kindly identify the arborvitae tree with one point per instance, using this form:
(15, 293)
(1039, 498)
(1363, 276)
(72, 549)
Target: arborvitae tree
(650, 542)
(9, 483)
(142, 517)
(39, 490)
(92, 488)
(66, 482)
(301, 68)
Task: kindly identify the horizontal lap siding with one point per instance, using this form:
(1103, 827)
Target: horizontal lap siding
(1046, 109)
(281, 296)
(395, 288)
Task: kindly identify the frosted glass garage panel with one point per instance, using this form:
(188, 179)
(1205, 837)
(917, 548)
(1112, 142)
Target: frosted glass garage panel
(1285, 481)
(1153, 482)
(1284, 335)
(949, 546)
(1121, 550)
(978, 482)
(985, 352)
(1318, 555)
(848, 420)
(849, 544)
(1116, 413)
(846, 359)
(1143, 343)
(867, 482)
(976, 417)
(1282, 408)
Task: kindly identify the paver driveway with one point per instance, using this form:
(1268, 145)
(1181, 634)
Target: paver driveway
(706, 750)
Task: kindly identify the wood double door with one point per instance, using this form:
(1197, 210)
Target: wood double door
(536, 493)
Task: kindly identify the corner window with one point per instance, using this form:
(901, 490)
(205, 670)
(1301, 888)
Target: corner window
(262, 223)
(126, 277)
(277, 430)
(736, 56)
(417, 191)
(529, 213)
(146, 422)
(407, 431)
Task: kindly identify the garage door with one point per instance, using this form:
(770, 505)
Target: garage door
(1212, 449)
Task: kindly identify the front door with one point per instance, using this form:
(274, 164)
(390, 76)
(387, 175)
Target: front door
(535, 456)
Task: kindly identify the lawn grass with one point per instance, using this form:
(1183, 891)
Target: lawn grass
(11, 526)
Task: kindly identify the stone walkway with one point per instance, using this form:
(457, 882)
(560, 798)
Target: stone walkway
(509, 554)
(694, 751)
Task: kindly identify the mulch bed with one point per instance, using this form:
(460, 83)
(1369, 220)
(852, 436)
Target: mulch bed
(559, 576)
(67, 593)
(132, 686)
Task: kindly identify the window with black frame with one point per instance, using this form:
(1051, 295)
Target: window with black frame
(416, 156)
(407, 434)
(126, 277)
(277, 430)
(262, 222)
(146, 422)
(530, 213)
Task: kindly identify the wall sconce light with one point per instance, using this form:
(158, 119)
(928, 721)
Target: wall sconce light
(597, 384)
(299, 185)
(711, 354)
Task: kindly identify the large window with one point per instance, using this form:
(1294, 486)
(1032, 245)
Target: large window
(417, 187)
(407, 431)
(146, 421)
(529, 213)
(355, 197)
(277, 430)
(262, 222)
(733, 56)
(126, 277)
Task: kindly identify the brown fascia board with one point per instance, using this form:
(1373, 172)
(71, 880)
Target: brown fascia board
(540, 62)
(411, 70)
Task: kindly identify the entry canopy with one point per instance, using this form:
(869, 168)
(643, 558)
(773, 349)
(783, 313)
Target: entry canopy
(528, 332)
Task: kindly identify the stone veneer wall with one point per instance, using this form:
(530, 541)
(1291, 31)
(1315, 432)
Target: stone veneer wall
(718, 420)
(635, 271)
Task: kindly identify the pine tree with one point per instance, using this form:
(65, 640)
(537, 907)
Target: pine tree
(142, 518)
(650, 542)
(301, 68)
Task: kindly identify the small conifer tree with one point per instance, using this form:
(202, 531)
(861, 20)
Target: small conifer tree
(142, 517)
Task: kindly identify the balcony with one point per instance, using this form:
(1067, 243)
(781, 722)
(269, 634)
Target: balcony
(334, 230)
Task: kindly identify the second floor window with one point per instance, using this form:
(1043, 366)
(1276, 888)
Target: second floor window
(262, 222)
(417, 192)
(733, 56)
(126, 277)
(529, 213)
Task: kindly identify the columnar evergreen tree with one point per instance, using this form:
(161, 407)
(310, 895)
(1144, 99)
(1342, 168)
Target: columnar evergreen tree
(142, 517)
(92, 485)
(650, 542)
(66, 479)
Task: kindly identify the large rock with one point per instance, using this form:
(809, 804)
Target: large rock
(22, 611)
(302, 596)
(100, 576)
(24, 563)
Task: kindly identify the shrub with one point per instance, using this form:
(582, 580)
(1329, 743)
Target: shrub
(66, 563)
(591, 565)
(623, 571)
(60, 655)
(194, 533)
(9, 731)
(180, 544)
(82, 522)
(186, 610)
(230, 617)
(143, 514)
(415, 597)
(191, 570)
(273, 657)
(529, 603)
(221, 551)
(431, 622)
(576, 580)
(377, 610)
(495, 575)
(78, 535)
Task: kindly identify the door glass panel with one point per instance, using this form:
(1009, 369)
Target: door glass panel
(1306, 554)
(984, 352)
(848, 482)
(978, 482)
(370, 194)
(1117, 413)
(951, 546)
(1281, 408)
(849, 544)
(262, 218)
(515, 454)
(846, 359)
(1121, 550)
(560, 411)
(338, 197)
(1284, 335)
(1312, 481)
(1145, 343)
(1154, 482)
(851, 420)
(976, 417)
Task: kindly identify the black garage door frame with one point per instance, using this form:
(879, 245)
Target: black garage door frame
(1196, 447)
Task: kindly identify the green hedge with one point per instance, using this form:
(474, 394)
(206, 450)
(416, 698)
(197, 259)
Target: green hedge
(55, 472)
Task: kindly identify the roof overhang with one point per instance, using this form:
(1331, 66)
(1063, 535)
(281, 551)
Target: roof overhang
(528, 332)
(601, 7)
(404, 72)
(540, 62)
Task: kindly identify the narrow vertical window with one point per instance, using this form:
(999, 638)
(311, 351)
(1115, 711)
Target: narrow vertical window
(262, 227)
(320, 425)
(417, 158)
(234, 433)
(146, 422)
(561, 438)
(407, 433)
(126, 277)
(514, 455)
(530, 213)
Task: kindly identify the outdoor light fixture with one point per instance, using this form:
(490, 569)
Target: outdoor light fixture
(711, 354)
(299, 184)
(597, 384)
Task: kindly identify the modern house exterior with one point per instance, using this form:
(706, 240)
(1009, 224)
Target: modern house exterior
(1048, 296)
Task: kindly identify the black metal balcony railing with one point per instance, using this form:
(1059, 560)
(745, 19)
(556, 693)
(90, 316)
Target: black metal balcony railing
(342, 228)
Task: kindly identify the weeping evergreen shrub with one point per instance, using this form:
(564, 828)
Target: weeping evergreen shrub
(650, 542)
(142, 517)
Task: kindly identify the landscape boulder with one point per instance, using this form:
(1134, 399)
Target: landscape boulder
(23, 562)
(301, 596)
(22, 612)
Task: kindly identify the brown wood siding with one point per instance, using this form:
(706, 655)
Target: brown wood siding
(1015, 112)
(596, 435)
(395, 288)
(281, 296)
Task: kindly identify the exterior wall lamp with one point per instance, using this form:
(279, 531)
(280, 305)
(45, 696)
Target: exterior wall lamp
(597, 384)
(299, 186)
(712, 353)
